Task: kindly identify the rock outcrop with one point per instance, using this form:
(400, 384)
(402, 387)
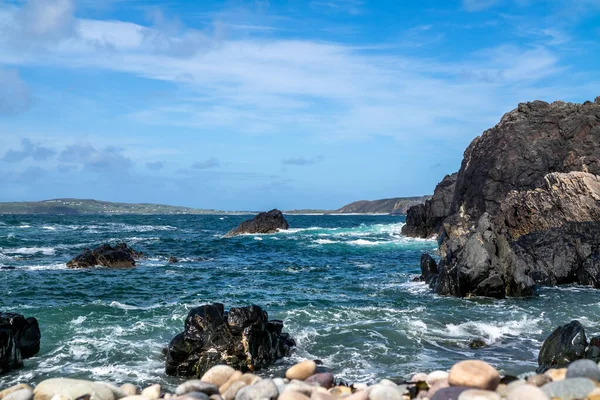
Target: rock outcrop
(265, 222)
(243, 338)
(19, 339)
(566, 344)
(393, 206)
(119, 256)
(525, 206)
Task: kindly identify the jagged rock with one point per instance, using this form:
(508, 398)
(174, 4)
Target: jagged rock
(119, 256)
(429, 269)
(19, 339)
(525, 208)
(265, 222)
(425, 220)
(566, 344)
(243, 338)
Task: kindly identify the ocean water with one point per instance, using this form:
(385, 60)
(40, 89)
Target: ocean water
(341, 284)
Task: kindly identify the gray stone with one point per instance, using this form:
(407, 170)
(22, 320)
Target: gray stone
(583, 369)
(264, 389)
(384, 392)
(71, 389)
(475, 394)
(194, 396)
(569, 389)
(449, 393)
(196, 385)
(300, 387)
(280, 383)
(526, 392)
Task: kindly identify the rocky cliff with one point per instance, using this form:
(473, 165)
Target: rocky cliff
(395, 206)
(525, 205)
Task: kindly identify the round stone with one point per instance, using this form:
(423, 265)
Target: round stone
(302, 370)
(362, 395)
(436, 376)
(232, 390)
(360, 386)
(233, 378)
(71, 388)
(583, 369)
(384, 392)
(569, 389)
(264, 389)
(289, 395)
(129, 389)
(300, 387)
(474, 374)
(526, 392)
(196, 385)
(324, 379)
(557, 374)
(218, 375)
(326, 396)
(250, 379)
(419, 377)
(22, 394)
(594, 394)
(152, 392)
(340, 391)
(437, 386)
(6, 392)
(476, 394)
(539, 380)
(448, 393)
(387, 382)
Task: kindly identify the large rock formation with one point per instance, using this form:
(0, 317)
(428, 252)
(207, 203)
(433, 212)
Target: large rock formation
(243, 338)
(19, 339)
(566, 344)
(265, 222)
(119, 256)
(525, 207)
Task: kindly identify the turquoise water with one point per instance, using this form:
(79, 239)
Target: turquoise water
(341, 284)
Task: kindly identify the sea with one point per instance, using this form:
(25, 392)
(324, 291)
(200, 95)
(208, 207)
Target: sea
(343, 285)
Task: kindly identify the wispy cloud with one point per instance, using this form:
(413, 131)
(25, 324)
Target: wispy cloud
(93, 158)
(207, 164)
(155, 165)
(15, 96)
(301, 161)
(29, 149)
(478, 5)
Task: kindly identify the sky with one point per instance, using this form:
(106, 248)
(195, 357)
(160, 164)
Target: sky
(251, 105)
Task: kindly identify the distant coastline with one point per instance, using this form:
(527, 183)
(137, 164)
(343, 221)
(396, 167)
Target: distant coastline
(71, 206)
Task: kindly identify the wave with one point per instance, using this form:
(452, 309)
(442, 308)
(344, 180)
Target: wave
(48, 251)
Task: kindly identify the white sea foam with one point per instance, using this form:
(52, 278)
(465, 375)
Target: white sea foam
(48, 251)
(49, 228)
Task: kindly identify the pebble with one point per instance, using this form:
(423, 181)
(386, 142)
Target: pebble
(300, 387)
(218, 375)
(324, 396)
(362, 395)
(292, 396)
(250, 379)
(539, 380)
(116, 391)
(583, 369)
(129, 389)
(476, 394)
(419, 377)
(384, 392)
(232, 390)
(324, 379)
(449, 393)
(196, 385)
(134, 397)
(152, 392)
(22, 394)
(193, 396)
(475, 374)
(302, 370)
(387, 382)
(233, 378)
(71, 389)
(436, 376)
(557, 374)
(12, 389)
(526, 392)
(263, 389)
(215, 397)
(569, 389)
(593, 395)
(340, 391)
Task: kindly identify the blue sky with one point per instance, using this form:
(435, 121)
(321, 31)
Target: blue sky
(281, 103)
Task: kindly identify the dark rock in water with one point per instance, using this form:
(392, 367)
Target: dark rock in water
(525, 207)
(119, 256)
(243, 338)
(265, 222)
(19, 339)
(477, 344)
(429, 270)
(173, 260)
(566, 344)
(425, 220)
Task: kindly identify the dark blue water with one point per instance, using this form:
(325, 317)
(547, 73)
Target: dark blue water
(342, 285)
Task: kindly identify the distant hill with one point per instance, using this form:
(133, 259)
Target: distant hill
(89, 207)
(395, 206)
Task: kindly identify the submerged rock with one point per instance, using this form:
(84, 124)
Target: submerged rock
(119, 256)
(19, 339)
(524, 208)
(566, 344)
(243, 339)
(265, 222)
